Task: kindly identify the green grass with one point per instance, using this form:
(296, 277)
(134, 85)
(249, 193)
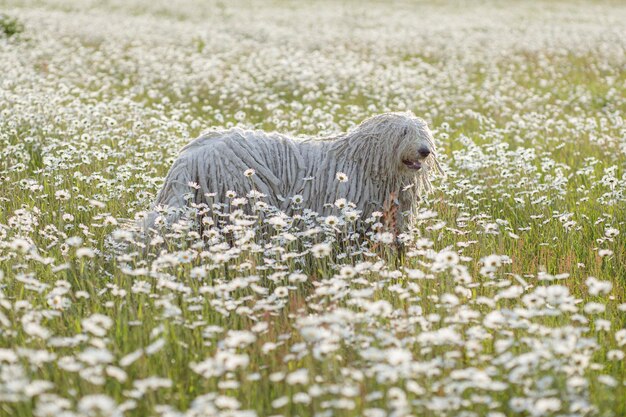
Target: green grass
(568, 122)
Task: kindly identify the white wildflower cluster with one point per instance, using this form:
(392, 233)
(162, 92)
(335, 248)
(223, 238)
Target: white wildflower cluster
(505, 298)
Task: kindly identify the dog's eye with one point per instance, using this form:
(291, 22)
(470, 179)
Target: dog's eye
(405, 131)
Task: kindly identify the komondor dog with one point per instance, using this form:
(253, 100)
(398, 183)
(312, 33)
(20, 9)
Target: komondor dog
(386, 158)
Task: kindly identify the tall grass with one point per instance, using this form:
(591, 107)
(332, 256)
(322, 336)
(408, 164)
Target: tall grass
(486, 308)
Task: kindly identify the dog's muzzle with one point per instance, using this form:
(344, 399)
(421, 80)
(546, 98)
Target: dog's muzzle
(416, 164)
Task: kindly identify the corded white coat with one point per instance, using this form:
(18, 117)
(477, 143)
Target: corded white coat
(373, 156)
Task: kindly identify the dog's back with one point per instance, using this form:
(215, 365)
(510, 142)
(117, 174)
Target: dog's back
(212, 166)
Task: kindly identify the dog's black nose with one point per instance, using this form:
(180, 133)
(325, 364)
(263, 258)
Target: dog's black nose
(424, 152)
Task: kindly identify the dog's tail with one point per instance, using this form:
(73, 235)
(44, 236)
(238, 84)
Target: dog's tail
(184, 181)
(172, 201)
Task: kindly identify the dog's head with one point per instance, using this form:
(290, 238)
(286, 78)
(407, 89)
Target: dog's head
(395, 144)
